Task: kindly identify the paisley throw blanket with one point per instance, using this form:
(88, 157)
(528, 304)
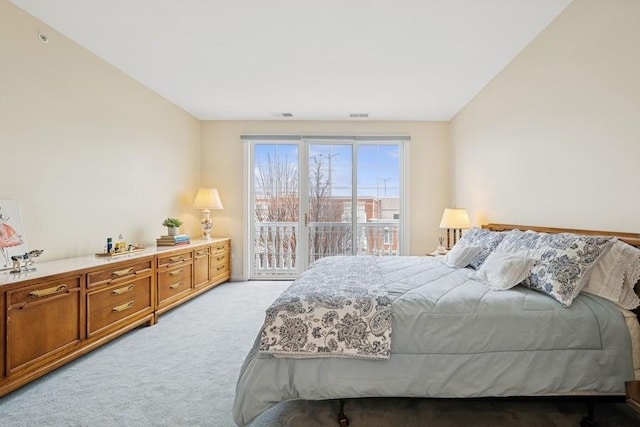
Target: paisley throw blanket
(337, 308)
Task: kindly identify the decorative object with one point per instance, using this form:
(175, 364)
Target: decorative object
(12, 237)
(441, 249)
(172, 224)
(130, 250)
(207, 199)
(454, 219)
(23, 263)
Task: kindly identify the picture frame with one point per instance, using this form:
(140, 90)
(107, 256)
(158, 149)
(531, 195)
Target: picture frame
(13, 239)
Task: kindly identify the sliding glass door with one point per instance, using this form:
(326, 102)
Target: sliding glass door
(317, 198)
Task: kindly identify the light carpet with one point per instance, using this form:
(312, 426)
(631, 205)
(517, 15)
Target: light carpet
(183, 370)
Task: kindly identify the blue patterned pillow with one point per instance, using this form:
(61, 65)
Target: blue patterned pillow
(565, 263)
(522, 243)
(486, 239)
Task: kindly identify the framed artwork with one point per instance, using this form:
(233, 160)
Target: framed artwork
(12, 236)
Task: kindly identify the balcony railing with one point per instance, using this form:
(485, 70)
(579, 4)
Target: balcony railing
(276, 242)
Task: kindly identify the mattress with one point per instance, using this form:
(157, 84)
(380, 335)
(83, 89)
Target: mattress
(453, 337)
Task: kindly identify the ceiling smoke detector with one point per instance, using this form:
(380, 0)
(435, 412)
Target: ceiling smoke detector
(358, 115)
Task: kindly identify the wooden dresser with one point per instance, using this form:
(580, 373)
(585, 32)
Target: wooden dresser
(69, 307)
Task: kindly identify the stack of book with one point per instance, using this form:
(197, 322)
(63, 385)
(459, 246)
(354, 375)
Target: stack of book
(180, 239)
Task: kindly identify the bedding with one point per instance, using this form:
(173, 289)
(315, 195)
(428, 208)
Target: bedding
(460, 255)
(454, 337)
(614, 276)
(566, 260)
(487, 240)
(338, 308)
(502, 270)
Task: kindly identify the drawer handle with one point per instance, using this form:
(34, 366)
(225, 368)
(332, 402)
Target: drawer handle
(175, 285)
(123, 307)
(176, 259)
(123, 290)
(175, 272)
(122, 273)
(220, 258)
(49, 291)
(219, 248)
(201, 254)
(220, 267)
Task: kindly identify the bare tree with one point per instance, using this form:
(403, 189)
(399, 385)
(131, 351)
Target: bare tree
(276, 186)
(329, 236)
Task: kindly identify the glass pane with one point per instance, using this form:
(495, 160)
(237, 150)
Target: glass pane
(378, 190)
(330, 193)
(275, 183)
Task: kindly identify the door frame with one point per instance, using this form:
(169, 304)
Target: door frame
(303, 143)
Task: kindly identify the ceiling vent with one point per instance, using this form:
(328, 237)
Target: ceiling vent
(358, 115)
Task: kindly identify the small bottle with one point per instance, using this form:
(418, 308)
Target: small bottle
(121, 246)
(109, 244)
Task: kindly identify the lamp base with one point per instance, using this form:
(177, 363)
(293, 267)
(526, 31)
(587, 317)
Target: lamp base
(206, 223)
(457, 235)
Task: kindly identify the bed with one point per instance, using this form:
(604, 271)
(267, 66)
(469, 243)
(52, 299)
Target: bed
(460, 326)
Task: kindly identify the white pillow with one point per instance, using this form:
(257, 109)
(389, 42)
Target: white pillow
(615, 274)
(504, 270)
(461, 255)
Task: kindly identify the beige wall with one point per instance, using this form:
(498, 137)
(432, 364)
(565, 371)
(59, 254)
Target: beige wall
(88, 151)
(222, 167)
(554, 139)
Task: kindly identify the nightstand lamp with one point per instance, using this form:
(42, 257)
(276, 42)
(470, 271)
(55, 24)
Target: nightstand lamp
(207, 199)
(454, 220)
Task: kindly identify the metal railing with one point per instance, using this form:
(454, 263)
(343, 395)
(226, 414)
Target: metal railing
(276, 243)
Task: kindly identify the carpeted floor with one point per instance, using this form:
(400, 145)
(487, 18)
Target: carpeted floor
(182, 372)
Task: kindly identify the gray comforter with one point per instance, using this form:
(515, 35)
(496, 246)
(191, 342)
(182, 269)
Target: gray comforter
(453, 337)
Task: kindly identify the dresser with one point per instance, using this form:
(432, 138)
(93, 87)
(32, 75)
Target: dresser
(69, 307)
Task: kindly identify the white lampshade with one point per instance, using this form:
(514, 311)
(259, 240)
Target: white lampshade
(207, 198)
(455, 218)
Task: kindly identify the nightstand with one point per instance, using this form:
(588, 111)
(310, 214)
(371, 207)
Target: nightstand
(632, 389)
(436, 253)
(619, 414)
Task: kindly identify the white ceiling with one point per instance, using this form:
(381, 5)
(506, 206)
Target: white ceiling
(319, 60)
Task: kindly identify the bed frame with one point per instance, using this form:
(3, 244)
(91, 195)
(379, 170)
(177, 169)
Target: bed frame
(633, 239)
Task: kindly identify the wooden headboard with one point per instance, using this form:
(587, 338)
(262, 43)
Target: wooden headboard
(631, 238)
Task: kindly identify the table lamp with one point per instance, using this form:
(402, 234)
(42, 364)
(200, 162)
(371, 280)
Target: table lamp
(207, 199)
(454, 219)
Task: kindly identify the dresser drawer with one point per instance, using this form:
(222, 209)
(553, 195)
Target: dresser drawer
(201, 266)
(115, 303)
(42, 292)
(119, 272)
(218, 248)
(175, 258)
(219, 264)
(173, 282)
(43, 321)
(200, 253)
